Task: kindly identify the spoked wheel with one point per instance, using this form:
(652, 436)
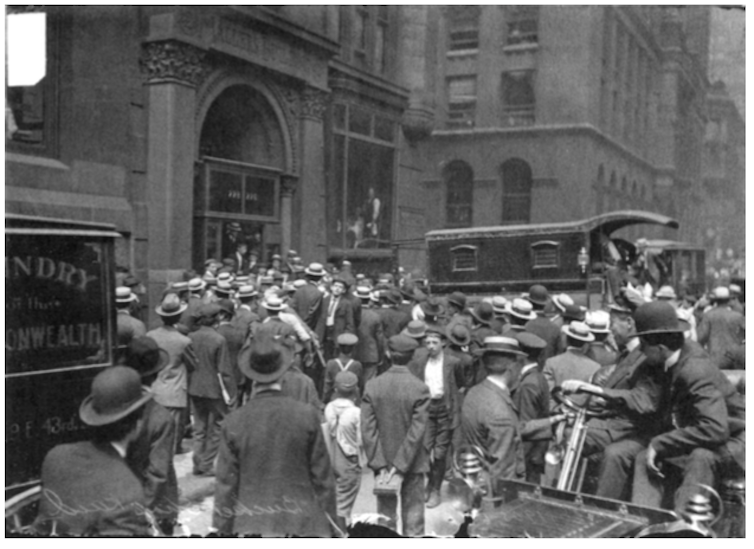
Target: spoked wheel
(21, 510)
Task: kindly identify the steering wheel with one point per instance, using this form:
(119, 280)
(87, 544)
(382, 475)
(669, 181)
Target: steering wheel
(567, 401)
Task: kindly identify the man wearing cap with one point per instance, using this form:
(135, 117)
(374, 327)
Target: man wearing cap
(343, 363)
(336, 317)
(431, 310)
(196, 288)
(150, 456)
(128, 327)
(457, 310)
(488, 417)
(520, 312)
(371, 345)
(274, 475)
(600, 350)
(343, 418)
(235, 339)
(560, 302)
(702, 415)
(393, 425)
(541, 326)
(307, 301)
(437, 370)
(721, 328)
(246, 317)
(240, 259)
(212, 387)
(170, 388)
(573, 363)
(87, 487)
(481, 317)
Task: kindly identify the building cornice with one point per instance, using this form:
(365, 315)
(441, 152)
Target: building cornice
(344, 77)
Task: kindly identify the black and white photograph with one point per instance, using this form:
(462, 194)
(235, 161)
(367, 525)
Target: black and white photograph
(375, 271)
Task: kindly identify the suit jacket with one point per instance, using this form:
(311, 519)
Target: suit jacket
(463, 373)
(694, 411)
(87, 489)
(300, 387)
(171, 386)
(244, 319)
(355, 308)
(393, 321)
(544, 328)
(532, 399)
(128, 328)
(188, 318)
(235, 339)
(601, 353)
(274, 475)
(307, 302)
(212, 358)
(573, 364)
(150, 457)
(490, 421)
(394, 420)
(720, 330)
(343, 321)
(450, 390)
(370, 348)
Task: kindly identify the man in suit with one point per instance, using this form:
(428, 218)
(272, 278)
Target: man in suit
(196, 288)
(209, 383)
(371, 345)
(573, 363)
(541, 326)
(437, 370)
(392, 318)
(721, 329)
(699, 437)
(457, 310)
(171, 386)
(241, 261)
(393, 425)
(245, 317)
(151, 454)
(307, 301)
(235, 339)
(128, 327)
(87, 487)
(600, 350)
(336, 318)
(274, 475)
(632, 392)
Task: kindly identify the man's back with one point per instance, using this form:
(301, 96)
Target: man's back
(720, 330)
(171, 386)
(307, 302)
(370, 337)
(128, 328)
(211, 358)
(544, 328)
(393, 321)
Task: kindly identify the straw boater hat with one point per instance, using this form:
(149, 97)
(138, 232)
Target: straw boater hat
(181, 286)
(273, 303)
(666, 292)
(267, 361)
(415, 329)
(499, 304)
(224, 278)
(578, 330)
(145, 356)
(247, 290)
(298, 283)
(458, 334)
(500, 345)
(520, 308)
(196, 285)
(315, 269)
(363, 292)
(721, 293)
(123, 294)
(656, 317)
(598, 322)
(561, 301)
(735, 289)
(171, 305)
(116, 393)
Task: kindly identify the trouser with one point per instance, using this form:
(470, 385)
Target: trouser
(412, 506)
(347, 480)
(208, 413)
(370, 372)
(534, 458)
(615, 467)
(178, 416)
(437, 442)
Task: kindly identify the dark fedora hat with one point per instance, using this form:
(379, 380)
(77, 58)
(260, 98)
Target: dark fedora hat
(116, 392)
(458, 299)
(458, 334)
(656, 317)
(393, 295)
(483, 313)
(145, 356)
(432, 306)
(268, 359)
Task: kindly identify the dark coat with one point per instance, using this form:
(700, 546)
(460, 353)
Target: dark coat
(150, 457)
(393, 321)
(371, 345)
(235, 339)
(79, 481)
(307, 302)
(343, 321)
(188, 320)
(694, 411)
(128, 327)
(273, 474)
(450, 365)
(601, 353)
(463, 368)
(573, 364)
(212, 357)
(244, 319)
(544, 328)
(333, 368)
(720, 330)
(300, 387)
(489, 420)
(532, 399)
(394, 420)
(355, 308)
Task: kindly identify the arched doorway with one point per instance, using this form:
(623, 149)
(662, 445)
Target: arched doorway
(238, 178)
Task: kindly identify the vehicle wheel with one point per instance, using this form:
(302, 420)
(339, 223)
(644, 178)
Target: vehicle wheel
(21, 510)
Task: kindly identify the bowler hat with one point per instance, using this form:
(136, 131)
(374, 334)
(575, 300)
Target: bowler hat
(666, 292)
(561, 301)
(520, 308)
(116, 393)
(171, 305)
(347, 339)
(416, 329)
(598, 322)
(656, 317)
(501, 345)
(123, 294)
(267, 361)
(574, 312)
(273, 303)
(247, 290)
(315, 269)
(145, 356)
(538, 295)
(196, 285)
(578, 330)
(458, 334)
(210, 262)
(483, 313)
(402, 344)
(458, 299)
(131, 281)
(498, 304)
(179, 286)
(619, 308)
(432, 306)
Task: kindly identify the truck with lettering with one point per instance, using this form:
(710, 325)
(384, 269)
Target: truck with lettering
(59, 333)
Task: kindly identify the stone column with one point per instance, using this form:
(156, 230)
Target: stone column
(288, 184)
(173, 70)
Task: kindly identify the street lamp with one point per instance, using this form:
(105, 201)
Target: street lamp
(583, 260)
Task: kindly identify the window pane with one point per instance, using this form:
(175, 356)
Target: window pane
(461, 102)
(225, 192)
(383, 128)
(545, 256)
(259, 196)
(463, 24)
(360, 121)
(464, 259)
(459, 184)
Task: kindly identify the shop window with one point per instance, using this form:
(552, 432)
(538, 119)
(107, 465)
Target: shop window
(464, 258)
(523, 23)
(518, 98)
(459, 189)
(545, 255)
(461, 102)
(517, 182)
(463, 24)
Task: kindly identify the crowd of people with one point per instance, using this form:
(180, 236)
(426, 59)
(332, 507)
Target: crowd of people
(289, 381)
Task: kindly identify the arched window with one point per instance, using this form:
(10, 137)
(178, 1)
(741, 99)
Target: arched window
(516, 176)
(459, 193)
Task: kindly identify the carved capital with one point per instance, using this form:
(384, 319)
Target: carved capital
(288, 185)
(313, 103)
(172, 61)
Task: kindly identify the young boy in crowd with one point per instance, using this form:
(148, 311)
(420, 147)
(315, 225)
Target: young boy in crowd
(343, 363)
